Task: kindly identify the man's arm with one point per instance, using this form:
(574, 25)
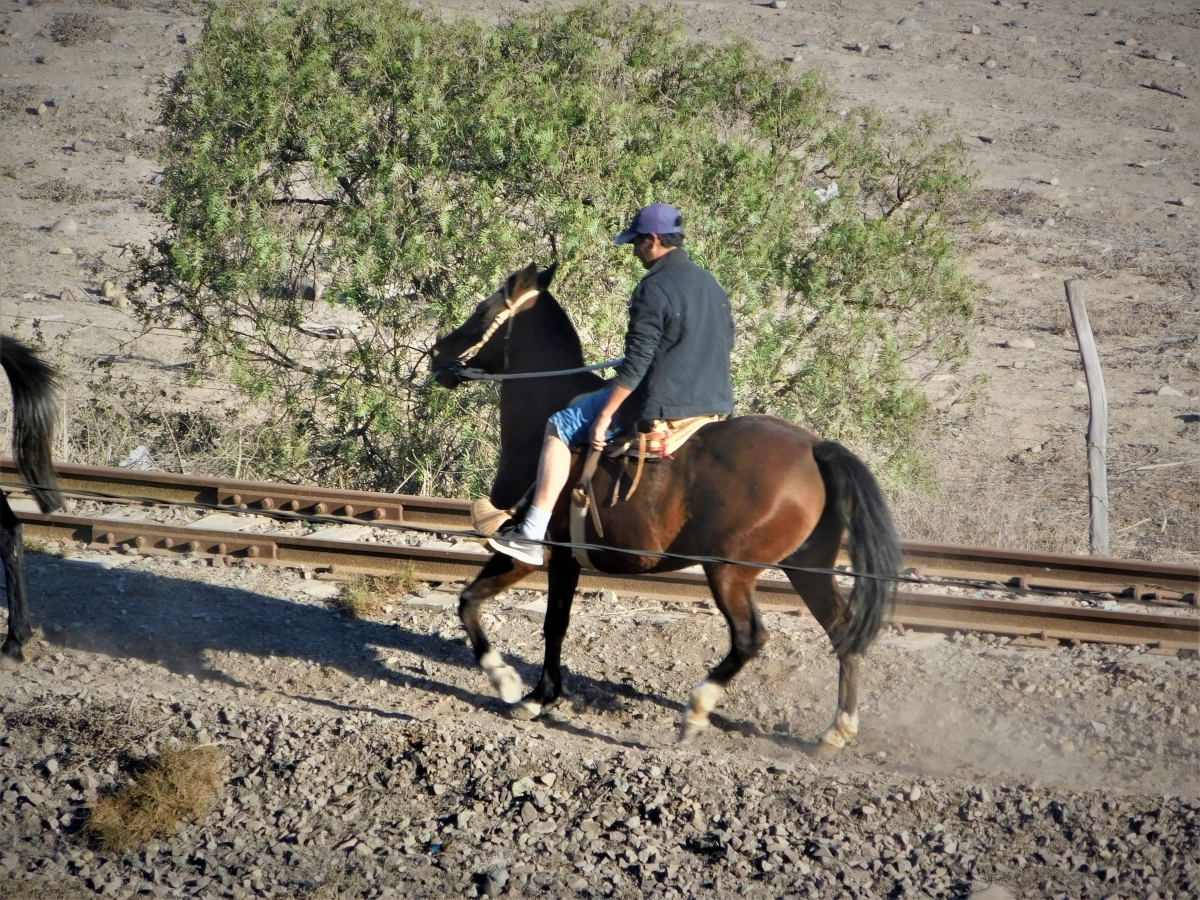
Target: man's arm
(646, 311)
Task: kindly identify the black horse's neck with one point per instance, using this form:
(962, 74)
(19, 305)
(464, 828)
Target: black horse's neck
(542, 340)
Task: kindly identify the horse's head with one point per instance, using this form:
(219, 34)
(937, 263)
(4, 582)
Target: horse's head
(480, 342)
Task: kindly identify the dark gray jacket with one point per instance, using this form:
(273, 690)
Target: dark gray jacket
(678, 344)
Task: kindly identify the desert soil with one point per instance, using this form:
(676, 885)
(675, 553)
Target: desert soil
(366, 758)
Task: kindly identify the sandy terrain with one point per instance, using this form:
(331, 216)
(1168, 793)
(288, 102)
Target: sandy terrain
(1064, 773)
(1082, 169)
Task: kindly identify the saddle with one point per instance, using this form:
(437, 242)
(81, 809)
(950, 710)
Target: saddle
(648, 441)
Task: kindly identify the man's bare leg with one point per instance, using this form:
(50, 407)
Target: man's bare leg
(554, 468)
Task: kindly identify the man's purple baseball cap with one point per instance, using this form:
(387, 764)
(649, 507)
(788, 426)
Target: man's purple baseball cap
(659, 218)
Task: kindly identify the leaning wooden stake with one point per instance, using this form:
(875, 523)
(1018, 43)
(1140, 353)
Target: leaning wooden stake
(1097, 433)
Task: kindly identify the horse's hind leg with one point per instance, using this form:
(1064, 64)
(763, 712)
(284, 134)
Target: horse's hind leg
(12, 553)
(501, 573)
(733, 590)
(823, 599)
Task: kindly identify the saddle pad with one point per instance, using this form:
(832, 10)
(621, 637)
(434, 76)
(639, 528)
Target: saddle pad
(663, 437)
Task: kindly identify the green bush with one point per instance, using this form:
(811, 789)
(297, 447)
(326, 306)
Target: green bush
(378, 171)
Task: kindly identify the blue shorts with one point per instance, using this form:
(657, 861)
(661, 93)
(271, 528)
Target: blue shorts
(574, 424)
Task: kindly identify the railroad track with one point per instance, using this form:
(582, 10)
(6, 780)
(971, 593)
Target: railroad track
(1149, 584)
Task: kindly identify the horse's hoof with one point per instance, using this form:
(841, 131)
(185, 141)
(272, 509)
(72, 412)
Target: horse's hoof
(689, 731)
(504, 677)
(526, 711)
(11, 655)
(825, 750)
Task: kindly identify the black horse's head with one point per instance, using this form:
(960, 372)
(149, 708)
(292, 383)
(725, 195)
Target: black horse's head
(480, 342)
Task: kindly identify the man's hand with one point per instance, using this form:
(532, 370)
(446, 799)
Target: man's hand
(600, 431)
(616, 397)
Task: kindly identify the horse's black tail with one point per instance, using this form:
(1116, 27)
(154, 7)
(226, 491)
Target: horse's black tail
(874, 548)
(34, 384)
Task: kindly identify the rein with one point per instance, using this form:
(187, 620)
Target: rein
(507, 315)
(480, 375)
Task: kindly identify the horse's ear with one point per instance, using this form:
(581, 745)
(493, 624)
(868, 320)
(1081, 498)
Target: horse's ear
(524, 279)
(546, 276)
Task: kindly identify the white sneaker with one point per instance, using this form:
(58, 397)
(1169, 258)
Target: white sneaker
(510, 542)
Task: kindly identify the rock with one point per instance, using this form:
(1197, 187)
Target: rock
(1172, 128)
(1164, 56)
(548, 779)
(51, 766)
(41, 109)
(1187, 201)
(494, 881)
(522, 786)
(529, 813)
(436, 600)
(778, 4)
(1167, 391)
(322, 590)
(989, 64)
(1129, 42)
(65, 225)
(129, 158)
(813, 45)
(534, 610)
(1019, 344)
(975, 29)
(577, 884)
(894, 45)
(991, 892)
(1053, 182)
(914, 794)
(109, 289)
(910, 23)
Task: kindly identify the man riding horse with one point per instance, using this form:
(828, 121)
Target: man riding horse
(676, 366)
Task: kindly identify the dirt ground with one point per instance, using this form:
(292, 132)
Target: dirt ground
(367, 758)
(1085, 174)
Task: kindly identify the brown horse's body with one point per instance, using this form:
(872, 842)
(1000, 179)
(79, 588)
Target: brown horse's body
(756, 489)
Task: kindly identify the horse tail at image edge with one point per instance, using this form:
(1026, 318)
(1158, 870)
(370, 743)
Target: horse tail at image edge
(34, 385)
(874, 549)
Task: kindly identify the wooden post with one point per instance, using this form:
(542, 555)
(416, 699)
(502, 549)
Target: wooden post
(1097, 433)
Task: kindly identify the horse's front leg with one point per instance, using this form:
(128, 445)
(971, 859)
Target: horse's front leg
(563, 578)
(12, 554)
(501, 573)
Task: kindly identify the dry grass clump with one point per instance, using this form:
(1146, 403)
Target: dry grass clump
(364, 596)
(74, 28)
(179, 783)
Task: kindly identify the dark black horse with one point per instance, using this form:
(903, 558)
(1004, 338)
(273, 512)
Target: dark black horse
(754, 488)
(33, 383)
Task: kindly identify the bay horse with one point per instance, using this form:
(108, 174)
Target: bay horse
(35, 411)
(756, 489)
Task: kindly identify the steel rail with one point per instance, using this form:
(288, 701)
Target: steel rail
(343, 558)
(1164, 583)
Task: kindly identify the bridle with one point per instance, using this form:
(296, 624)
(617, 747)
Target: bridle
(512, 305)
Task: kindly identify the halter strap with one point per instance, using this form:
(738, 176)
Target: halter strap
(512, 306)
